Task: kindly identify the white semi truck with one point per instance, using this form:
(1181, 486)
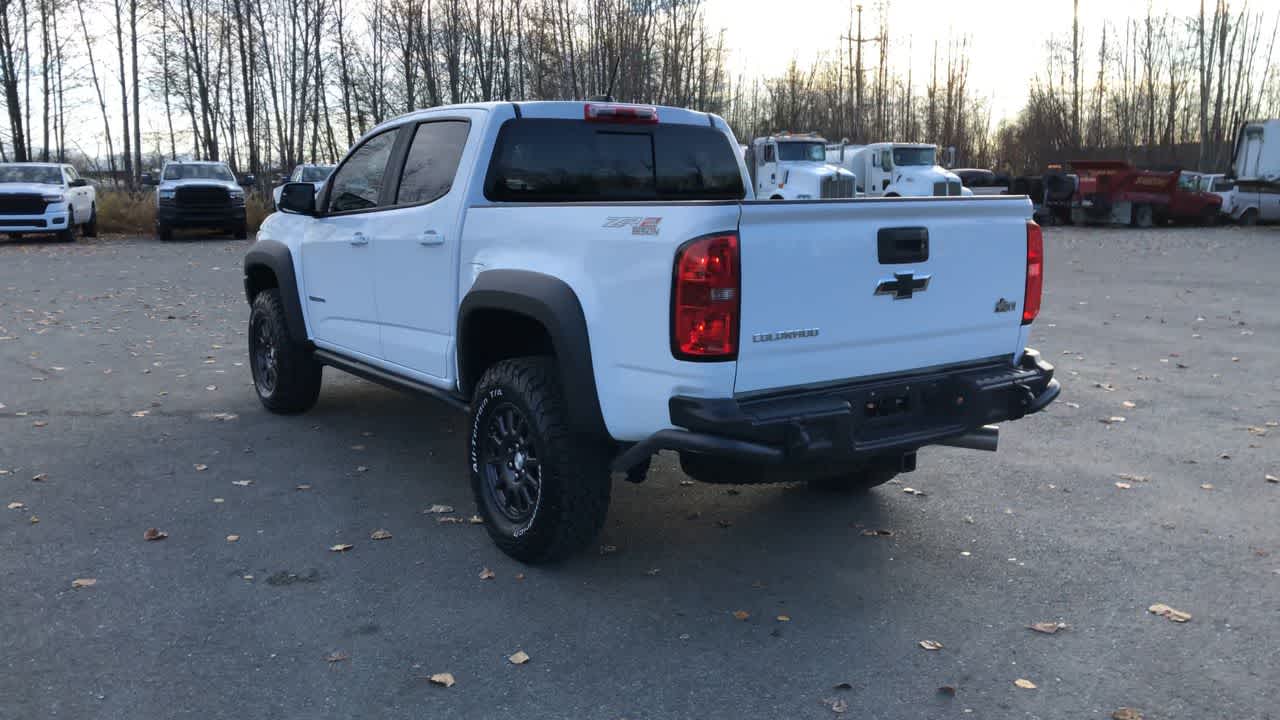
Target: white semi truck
(795, 167)
(897, 170)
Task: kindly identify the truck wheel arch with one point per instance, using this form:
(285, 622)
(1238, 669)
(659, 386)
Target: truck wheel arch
(528, 302)
(268, 264)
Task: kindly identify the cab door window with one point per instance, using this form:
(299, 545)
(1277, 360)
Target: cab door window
(357, 185)
(432, 161)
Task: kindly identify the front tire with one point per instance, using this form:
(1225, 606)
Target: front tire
(542, 490)
(69, 234)
(90, 229)
(164, 232)
(240, 232)
(285, 373)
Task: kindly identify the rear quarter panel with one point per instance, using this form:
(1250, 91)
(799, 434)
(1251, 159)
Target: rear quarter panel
(622, 278)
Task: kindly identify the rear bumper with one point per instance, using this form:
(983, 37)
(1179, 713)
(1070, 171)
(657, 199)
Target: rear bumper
(858, 422)
(177, 216)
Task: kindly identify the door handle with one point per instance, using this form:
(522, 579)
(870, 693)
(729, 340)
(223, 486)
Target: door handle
(359, 240)
(431, 237)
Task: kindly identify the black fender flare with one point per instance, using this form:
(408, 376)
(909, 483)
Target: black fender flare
(275, 256)
(553, 304)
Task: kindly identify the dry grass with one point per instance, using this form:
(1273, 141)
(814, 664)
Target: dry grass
(134, 213)
(120, 211)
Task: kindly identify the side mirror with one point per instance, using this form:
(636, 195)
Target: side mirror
(78, 182)
(247, 180)
(298, 198)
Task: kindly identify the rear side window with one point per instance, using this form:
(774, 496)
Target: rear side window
(432, 161)
(545, 160)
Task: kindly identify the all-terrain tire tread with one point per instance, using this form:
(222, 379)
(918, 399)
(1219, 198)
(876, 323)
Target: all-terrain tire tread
(298, 375)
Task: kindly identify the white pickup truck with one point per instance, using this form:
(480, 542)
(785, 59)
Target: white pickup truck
(594, 282)
(46, 198)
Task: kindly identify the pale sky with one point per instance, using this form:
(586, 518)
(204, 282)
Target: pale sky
(1007, 37)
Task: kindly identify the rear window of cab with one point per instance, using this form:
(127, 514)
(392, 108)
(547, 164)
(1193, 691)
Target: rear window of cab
(551, 160)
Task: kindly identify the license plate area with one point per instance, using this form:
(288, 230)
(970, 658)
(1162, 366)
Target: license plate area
(891, 410)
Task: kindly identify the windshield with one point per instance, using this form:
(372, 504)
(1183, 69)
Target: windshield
(30, 174)
(315, 173)
(912, 156)
(198, 172)
(1223, 185)
(801, 151)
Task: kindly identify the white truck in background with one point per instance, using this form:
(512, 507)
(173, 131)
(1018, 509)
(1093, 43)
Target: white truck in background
(794, 167)
(897, 170)
(1253, 181)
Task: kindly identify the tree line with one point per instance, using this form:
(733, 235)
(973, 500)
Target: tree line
(267, 84)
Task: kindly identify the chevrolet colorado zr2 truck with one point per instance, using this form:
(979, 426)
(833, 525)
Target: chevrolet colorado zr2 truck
(594, 282)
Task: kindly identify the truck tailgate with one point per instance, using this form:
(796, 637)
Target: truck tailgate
(823, 301)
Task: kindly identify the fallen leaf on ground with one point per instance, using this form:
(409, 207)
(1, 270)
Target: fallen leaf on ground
(519, 576)
(40, 423)
(948, 690)
(608, 549)
(336, 656)
(1130, 477)
(1105, 386)
(1114, 419)
(303, 486)
(475, 520)
(913, 491)
(783, 618)
(154, 534)
(877, 533)
(836, 705)
(201, 467)
(1048, 628)
(223, 416)
(445, 679)
(233, 538)
(40, 477)
(34, 519)
(1123, 485)
(1126, 713)
(741, 614)
(341, 547)
(686, 483)
(1254, 430)
(448, 519)
(218, 501)
(519, 658)
(361, 468)
(1128, 404)
(242, 483)
(842, 686)
(1206, 486)
(380, 535)
(439, 509)
(1165, 611)
(1224, 456)
(84, 582)
(487, 574)
(1074, 405)
(1271, 478)
(140, 413)
(16, 505)
(930, 644)
(1025, 684)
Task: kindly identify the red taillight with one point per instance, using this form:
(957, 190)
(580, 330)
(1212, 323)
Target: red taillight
(705, 299)
(1035, 273)
(615, 113)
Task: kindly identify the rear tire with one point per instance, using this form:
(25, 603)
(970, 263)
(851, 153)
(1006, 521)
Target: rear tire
(285, 373)
(1142, 216)
(90, 229)
(164, 232)
(857, 481)
(542, 490)
(1249, 218)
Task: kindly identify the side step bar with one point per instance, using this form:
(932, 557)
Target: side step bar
(395, 382)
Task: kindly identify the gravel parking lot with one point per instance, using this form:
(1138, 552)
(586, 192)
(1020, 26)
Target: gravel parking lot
(125, 405)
